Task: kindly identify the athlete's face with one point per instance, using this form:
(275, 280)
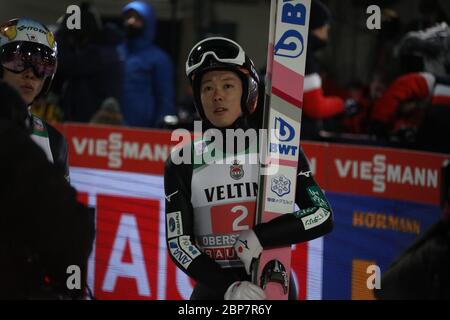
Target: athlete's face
(26, 83)
(221, 93)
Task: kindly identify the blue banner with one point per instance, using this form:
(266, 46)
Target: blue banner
(367, 231)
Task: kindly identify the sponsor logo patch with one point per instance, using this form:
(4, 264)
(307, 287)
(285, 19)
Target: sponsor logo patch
(315, 219)
(316, 197)
(170, 195)
(236, 170)
(174, 225)
(305, 173)
(178, 254)
(31, 28)
(281, 185)
(283, 130)
(188, 247)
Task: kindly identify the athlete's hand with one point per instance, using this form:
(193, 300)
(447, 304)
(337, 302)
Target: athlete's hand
(248, 248)
(244, 290)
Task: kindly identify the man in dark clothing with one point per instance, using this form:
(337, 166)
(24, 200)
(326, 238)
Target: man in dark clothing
(316, 106)
(28, 60)
(43, 229)
(210, 206)
(90, 69)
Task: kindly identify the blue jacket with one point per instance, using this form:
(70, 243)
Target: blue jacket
(148, 83)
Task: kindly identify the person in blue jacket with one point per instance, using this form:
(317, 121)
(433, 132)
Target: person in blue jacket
(148, 83)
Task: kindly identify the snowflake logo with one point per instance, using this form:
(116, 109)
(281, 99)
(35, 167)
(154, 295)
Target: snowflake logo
(281, 185)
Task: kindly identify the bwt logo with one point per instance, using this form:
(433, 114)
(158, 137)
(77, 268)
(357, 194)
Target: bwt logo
(291, 43)
(284, 132)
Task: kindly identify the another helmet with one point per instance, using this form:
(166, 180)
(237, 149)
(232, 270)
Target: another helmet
(217, 53)
(26, 43)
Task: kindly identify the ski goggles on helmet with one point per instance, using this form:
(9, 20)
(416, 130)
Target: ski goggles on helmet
(221, 49)
(20, 56)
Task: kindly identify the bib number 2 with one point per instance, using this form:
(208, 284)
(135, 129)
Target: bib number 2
(232, 218)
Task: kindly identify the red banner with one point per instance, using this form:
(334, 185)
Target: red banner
(386, 173)
(375, 171)
(121, 149)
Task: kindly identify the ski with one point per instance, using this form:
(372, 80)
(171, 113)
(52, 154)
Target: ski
(286, 58)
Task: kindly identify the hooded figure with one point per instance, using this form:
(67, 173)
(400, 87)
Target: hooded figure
(148, 83)
(90, 69)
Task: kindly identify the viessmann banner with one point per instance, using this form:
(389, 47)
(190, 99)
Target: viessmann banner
(382, 200)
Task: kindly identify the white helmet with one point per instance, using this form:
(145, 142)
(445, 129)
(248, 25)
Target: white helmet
(26, 43)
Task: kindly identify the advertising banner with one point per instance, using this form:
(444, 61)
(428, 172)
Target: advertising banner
(382, 199)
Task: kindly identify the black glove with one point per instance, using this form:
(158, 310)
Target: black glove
(351, 107)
